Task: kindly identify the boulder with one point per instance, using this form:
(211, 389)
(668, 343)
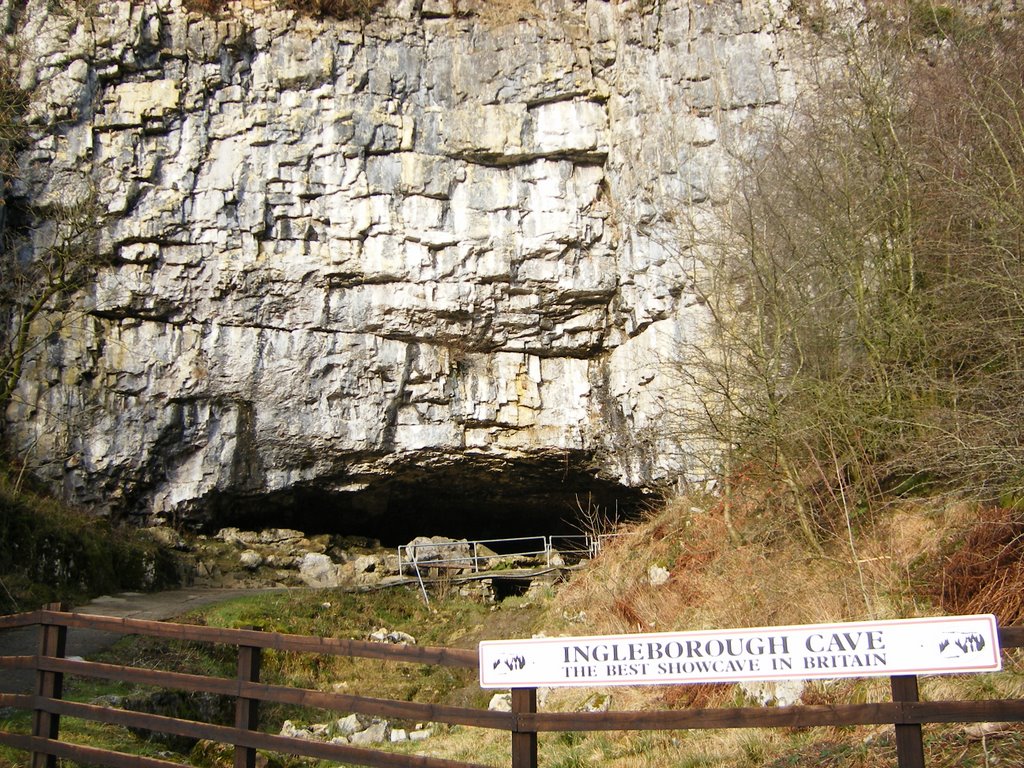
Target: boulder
(350, 724)
(500, 702)
(778, 693)
(250, 559)
(394, 637)
(235, 536)
(455, 554)
(657, 575)
(279, 536)
(375, 734)
(318, 570)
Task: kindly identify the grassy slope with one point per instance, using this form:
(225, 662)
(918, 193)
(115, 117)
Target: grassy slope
(897, 567)
(448, 621)
(904, 564)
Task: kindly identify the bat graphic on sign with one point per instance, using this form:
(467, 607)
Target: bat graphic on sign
(509, 663)
(955, 645)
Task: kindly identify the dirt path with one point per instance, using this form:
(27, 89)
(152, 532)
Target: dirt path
(155, 606)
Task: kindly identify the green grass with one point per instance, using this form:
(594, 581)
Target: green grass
(448, 622)
(328, 613)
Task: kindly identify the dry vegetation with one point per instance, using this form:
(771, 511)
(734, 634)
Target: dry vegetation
(860, 379)
(486, 12)
(13, 102)
(926, 557)
(864, 282)
(912, 562)
(320, 9)
(859, 382)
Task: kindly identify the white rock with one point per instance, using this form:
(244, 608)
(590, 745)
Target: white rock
(235, 536)
(780, 693)
(318, 570)
(983, 730)
(500, 702)
(395, 637)
(658, 575)
(289, 729)
(250, 559)
(438, 8)
(365, 563)
(350, 724)
(375, 734)
(279, 536)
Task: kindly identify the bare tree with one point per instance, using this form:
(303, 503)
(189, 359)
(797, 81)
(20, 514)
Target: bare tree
(39, 274)
(47, 252)
(864, 283)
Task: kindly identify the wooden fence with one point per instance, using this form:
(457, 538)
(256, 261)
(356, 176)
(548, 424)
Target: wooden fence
(906, 712)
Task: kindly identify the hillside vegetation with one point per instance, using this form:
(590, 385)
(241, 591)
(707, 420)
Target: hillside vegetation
(865, 280)
(49, 552)
(925, 557)
(858, 385)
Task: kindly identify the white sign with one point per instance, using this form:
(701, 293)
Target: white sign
(861, 649)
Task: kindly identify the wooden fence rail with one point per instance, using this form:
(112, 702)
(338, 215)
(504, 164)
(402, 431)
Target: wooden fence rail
(905, 712)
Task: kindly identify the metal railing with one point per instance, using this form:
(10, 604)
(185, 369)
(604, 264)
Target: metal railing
(478, 555)
(473, 555)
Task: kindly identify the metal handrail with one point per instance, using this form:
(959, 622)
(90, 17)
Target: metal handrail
(591, 546)
(404, 558)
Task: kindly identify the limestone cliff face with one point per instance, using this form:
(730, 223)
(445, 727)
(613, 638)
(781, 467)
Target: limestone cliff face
(342, 252)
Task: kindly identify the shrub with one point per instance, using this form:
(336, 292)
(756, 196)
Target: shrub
(13, 102)
(983, 569)
(48, 553)
(865, 286)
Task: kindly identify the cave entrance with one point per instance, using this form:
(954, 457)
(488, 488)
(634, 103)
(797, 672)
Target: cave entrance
(505, 587)
(470, 497)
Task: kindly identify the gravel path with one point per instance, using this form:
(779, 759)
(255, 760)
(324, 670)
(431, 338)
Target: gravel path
(155, 606)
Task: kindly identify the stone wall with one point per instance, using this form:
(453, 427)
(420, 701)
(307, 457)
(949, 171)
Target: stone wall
(340, 252)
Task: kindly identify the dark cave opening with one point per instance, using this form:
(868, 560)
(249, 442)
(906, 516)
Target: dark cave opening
(510, 586)
(466, 497)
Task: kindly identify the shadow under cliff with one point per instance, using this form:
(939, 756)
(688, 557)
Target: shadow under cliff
(465, 497)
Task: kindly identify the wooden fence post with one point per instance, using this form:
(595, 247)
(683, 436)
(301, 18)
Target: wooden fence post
(246, 709)
(909, 741)
(50, 685)
(524, 742)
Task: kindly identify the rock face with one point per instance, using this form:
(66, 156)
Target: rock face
(420, 265)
